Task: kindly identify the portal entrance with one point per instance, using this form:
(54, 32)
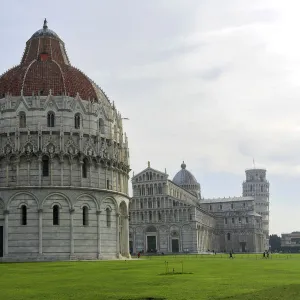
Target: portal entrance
(151, 243)
(1, 241)
(131, 246)
(243, 246)
(175, 245)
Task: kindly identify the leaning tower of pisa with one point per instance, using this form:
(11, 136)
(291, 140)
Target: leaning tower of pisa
(257, 186)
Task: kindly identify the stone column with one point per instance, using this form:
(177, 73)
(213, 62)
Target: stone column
(18, 169)
(71, 170)
(126, 236)
(180, 240)
(6, 213)
(40, 212)
(99, 233)
(40, 161)
(7, 165)
(117, 180)
(202, 238)
(197, 239)
(118, 230)
(80, 170)
(90, 172)
(158, 241)
(28, 172)
(51, 171)
(121, 182)
(61, 171)
(99, 175)
(133, 241)
(72, 231)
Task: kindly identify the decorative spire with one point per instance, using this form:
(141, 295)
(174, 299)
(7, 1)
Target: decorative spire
(148, 164)
(45, 24)
(183, 165)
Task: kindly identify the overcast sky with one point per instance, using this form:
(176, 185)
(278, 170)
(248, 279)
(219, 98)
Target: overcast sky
(211, 82)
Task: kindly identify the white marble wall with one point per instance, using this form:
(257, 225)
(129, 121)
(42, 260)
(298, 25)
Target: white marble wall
(39, 239)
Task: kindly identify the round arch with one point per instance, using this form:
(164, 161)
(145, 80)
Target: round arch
(59, 194)
(22, 193)
(90, 198)
(123, 207)
(113, 200)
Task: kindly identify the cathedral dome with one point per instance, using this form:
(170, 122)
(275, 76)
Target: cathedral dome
(186, 180)
(184, 177)
(45, 66)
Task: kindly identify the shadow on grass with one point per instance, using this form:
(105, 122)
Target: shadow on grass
(283, 292)
(147, 298)
(175, 273)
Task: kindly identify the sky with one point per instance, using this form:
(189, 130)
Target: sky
(214, 83)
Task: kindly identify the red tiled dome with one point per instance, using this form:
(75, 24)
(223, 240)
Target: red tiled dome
(45, 66)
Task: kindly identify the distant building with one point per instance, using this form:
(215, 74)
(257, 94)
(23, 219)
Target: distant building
(290, 242)
(170, 215)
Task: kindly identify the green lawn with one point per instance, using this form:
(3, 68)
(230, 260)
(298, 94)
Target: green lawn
(206, 277)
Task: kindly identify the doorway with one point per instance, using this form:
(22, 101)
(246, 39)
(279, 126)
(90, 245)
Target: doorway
(1, 241)
(175, 245)
(151, 243)
(243, 246)
(131, 247)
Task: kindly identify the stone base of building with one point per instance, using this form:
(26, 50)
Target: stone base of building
(48, 258)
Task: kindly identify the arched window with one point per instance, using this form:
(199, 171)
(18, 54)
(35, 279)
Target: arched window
(45, 162)
(85, 216)
(22, 120)
(84, 168)
(77, 121)
(108, 217)
(101, 126)
(23, 215)
(55, 215)
(50, 119)
(228, 236)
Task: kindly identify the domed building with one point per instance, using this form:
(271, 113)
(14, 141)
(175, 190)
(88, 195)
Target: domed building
(170, 216)
(186, 180)
(64, 161)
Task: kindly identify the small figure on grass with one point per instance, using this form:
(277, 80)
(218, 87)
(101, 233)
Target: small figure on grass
(230, 254)
(264, 254)
(139, 254)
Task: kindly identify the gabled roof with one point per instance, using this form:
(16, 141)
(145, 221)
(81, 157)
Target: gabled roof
(149, 169)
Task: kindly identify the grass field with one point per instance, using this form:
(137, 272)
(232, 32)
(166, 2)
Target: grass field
(204, 277)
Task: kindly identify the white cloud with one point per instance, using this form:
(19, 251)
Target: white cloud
(213, 82)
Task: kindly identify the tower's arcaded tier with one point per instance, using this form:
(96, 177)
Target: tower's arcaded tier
(257, 186)
(64, 160)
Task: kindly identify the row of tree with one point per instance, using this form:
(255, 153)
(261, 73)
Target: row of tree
(275, 242)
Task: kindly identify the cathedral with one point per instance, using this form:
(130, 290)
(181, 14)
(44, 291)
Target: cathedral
(170, 216)
(64, 161)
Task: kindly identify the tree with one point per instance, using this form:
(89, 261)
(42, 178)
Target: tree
(275, 242)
